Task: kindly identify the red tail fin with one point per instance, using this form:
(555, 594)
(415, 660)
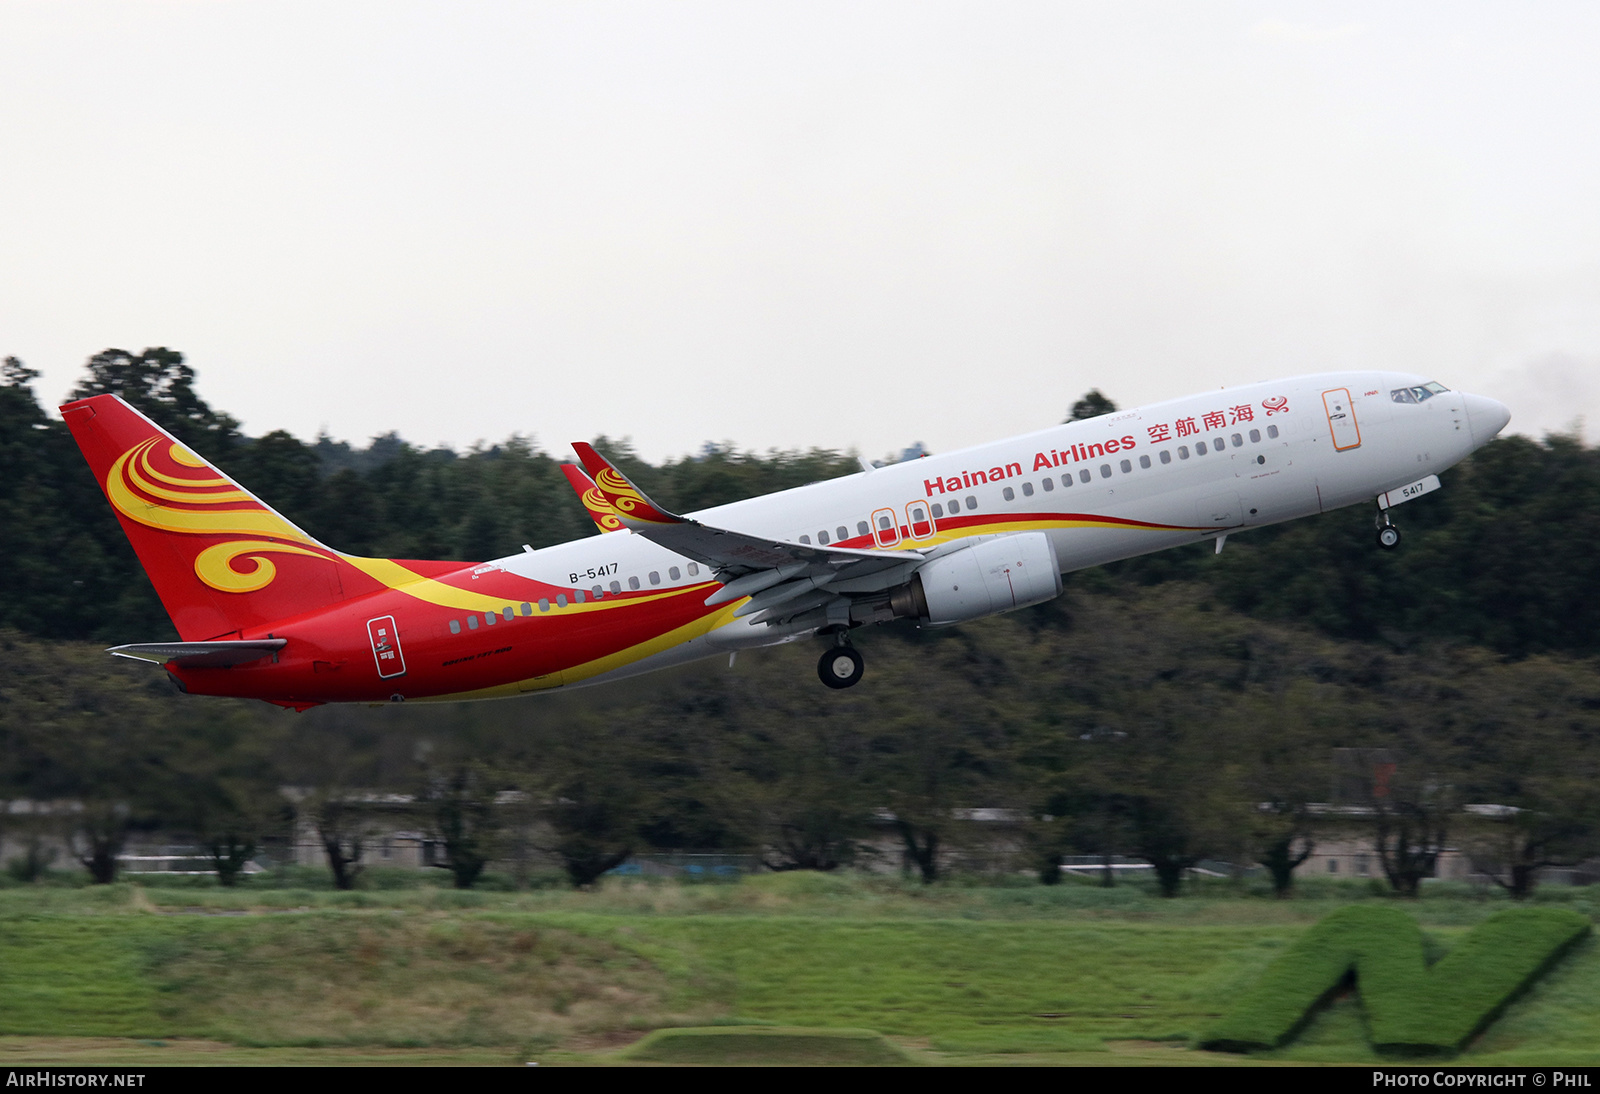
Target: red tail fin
(220, 559)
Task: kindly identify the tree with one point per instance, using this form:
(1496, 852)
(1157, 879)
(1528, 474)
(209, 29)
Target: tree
(1532, 730)
(459, 804)
(332, 762)
(591, 800)
(1095, 798)
(161, 386)
(931, 765)
(343, 826)
(1167, 778)
(1284, 771)
(1092, 405)
(1410, 811)
(795, 781)
(96, 835)
(1283, 841)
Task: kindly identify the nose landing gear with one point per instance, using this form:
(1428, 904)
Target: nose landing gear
(841, 666)
(1388, 534)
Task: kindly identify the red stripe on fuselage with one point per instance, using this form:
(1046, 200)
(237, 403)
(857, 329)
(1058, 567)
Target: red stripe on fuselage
(328, 658)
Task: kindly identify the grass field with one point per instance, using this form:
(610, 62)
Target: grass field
(997, 973)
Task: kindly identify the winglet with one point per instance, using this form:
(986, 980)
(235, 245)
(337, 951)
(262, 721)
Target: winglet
(627, 500)
(600, 510)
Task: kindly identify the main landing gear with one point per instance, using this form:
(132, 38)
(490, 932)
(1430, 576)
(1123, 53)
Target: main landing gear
(1388, 534)
(841, 666)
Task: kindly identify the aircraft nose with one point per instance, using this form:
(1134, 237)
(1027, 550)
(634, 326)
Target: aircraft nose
(1485, 417)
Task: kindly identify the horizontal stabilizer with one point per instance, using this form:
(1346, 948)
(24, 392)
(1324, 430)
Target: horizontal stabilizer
(200, 655)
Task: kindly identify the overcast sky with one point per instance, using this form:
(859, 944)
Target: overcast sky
(786, 225)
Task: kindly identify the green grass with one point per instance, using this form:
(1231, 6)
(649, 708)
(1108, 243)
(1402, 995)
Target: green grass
(1002, 973)
(1411, 1008)
(1008, 981)
(766, 1045)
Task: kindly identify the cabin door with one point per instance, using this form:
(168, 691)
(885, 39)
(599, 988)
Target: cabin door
(385, 639)
(1341, 411)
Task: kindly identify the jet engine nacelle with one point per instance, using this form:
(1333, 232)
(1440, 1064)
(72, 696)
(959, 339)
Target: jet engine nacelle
(997, 575)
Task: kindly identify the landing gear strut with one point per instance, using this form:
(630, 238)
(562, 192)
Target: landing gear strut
(841, 666)
(1388, 534)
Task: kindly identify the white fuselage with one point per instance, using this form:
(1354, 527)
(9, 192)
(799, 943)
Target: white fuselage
(1103, 489)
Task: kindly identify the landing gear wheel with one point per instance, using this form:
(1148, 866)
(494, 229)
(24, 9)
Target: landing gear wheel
(841, 667)
(1388, 537)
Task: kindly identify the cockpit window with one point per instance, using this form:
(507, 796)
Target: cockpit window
(1418, 394)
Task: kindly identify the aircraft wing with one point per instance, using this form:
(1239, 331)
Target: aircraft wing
(745, 564)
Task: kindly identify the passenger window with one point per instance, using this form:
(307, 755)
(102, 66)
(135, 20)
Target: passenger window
(1127, 466)
(862, 529)
(694, 568)
(544, 605)
(508, 613)
(972, 502)
(842, 533)
(1105, 471)
(599, 593)
(577, 596)
(822, 538)
(561, 600)
(490, 619)
(1027, 489)
(1199, 448)
(472, 622)
(1144, 462)
(674, 573)
(1255, 436)
(1009, 494)
(938, 511)
(1272, 432)
(806, 540)
(655, 577)
(1066, 479)
(616, 589)
(1166, 455)
(1238, 441)
(1084, 476)
(1048, 484)
(633, 583)
(1183, 452)
(955, 506)
(527, 609)
(455, 626)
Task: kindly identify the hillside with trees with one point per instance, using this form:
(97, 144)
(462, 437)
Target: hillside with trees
(1179, 707)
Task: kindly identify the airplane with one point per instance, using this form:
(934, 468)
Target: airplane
(265, 611)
